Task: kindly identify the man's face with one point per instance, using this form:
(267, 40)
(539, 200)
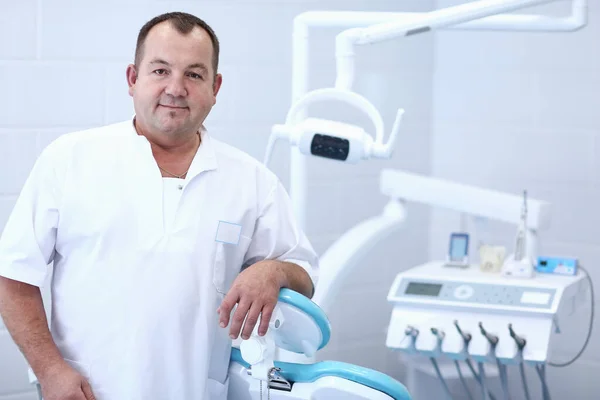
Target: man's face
(174, 86)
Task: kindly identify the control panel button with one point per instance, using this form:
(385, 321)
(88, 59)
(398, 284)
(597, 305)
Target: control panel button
(463, 292)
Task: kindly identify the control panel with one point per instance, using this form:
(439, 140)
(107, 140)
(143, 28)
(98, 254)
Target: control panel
(475, 293)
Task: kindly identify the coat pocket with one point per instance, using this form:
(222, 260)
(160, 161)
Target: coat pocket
(227, 263)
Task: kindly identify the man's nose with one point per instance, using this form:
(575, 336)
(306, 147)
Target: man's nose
(176, 87)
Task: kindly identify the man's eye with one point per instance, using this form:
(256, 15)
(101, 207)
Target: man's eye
(196, 76)
(160, 71)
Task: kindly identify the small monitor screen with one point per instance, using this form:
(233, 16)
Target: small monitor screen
(458, 248)
(423, 289)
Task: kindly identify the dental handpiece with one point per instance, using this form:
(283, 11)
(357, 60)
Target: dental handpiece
(521, 342)
(493, 339)
(465, 335)
(411, 331)
(438, 333)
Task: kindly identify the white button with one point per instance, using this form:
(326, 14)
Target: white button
(254, 349)
(463, 292)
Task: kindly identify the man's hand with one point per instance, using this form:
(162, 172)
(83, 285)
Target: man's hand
(255, 291)
(64, 383)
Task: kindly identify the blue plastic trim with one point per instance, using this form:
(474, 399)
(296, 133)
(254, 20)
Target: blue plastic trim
(306, 373)
(236, 356)
(309, 307)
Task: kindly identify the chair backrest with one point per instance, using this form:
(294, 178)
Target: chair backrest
(305, 328)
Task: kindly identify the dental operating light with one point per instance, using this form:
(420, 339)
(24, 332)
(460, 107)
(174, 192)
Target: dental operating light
(333, 139)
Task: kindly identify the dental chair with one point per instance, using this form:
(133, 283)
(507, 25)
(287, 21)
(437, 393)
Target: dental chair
(298, 325)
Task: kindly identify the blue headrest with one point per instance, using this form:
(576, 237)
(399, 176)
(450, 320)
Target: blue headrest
(306, 305)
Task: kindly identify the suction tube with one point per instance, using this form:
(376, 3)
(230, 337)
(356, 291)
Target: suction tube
(441, 378)
(462, 380)
(484, 390)
(524, 381)
(541, 370)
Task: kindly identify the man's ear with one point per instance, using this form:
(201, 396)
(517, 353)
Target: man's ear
(217, 85)
(131, 74)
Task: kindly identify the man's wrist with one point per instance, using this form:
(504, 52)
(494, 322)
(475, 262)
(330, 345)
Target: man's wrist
(50, 368)
(281, 273)
(289, 275)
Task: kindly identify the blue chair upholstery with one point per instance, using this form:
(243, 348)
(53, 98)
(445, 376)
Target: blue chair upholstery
(306, 373)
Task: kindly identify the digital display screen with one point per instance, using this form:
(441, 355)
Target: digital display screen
(423, 289)
(458, 247)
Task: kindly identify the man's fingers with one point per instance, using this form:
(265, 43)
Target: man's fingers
(251, 320)
(238, 319)
(265, 318)
(87, 391)
(226, 306)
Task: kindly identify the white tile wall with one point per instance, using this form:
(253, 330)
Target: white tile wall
(516, 111)
(63, 69)
(84, 32)
(44, 94)
(117, 101)
(469, 93)
(18, 19)
(17, 155)
(531, 154)
(6, 204)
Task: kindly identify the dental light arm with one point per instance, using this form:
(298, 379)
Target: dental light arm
(332, 139)
(351, 249)
(468, 199)
(464, 198)
(531, 23)
(437, 19)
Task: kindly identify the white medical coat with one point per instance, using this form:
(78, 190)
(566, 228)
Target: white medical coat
(134, 297)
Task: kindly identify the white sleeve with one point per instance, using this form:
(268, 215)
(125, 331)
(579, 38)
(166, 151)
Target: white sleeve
(277, 235)
(27, 244)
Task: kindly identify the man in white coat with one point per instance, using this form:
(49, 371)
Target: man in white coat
(156, 231)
